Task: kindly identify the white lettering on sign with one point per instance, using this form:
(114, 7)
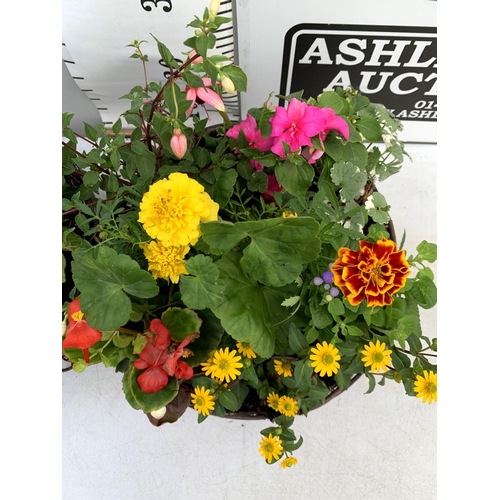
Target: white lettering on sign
(318, 49)
(355, 49)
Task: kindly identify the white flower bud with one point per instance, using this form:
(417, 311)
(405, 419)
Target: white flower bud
(160, 413)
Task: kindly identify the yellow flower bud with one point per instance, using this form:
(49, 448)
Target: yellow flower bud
(214, 7)
(227, 85)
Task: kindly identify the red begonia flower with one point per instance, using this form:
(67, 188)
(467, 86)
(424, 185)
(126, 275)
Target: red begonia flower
(375, 272)
(80, 334)
(272, 187)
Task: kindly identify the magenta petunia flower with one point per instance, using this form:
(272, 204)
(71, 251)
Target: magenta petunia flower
(295, 125)
(330, 122)
(252, 134)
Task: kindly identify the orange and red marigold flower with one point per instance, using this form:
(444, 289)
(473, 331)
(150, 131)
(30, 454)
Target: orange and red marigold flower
(375, 272)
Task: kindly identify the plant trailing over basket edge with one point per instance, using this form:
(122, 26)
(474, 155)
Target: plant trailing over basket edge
(244, 266)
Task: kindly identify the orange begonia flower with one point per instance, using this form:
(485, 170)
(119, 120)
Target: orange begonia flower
(375, 272)
(80, 334)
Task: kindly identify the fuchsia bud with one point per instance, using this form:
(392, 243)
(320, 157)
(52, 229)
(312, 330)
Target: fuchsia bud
(227, 84)
(178, 143)
(198, 60)
(214, 7)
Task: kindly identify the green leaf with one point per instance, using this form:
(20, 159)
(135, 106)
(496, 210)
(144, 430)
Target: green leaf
(227, 399)
(371, 383)
(211, 332)
(424, 292)
(302, 372)
(251, 312)
(349, 178)
(237, 75)
(297, 341)
(104, 282)
(202, 288)
(370, 128)
(222, 190)
(427, 251)
(330, 99)
(336, 307)
(356, 153)
(279, 248)
(296, 179)
(90, 132)
(181, 322)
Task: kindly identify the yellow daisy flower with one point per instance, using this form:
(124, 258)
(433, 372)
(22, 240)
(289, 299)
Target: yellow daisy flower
(172, 209)
(376, 356)
(288, 462)
(289, 214)
(270, 447)
(245, 349)
(288, 406)
(165, 262)
(325, 359)
(225, 365)
(426, 387)
(203, 401)
(273, 400)
(283, 368)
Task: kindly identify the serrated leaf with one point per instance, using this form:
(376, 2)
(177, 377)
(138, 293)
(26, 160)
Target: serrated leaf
(202, 288)
(104, 282)
(251, 312)
(349, 178)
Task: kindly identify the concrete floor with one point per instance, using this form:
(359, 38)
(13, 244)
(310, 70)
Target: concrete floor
(380, 446)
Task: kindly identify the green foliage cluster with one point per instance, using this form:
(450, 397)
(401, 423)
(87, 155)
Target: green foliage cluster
(251, 273)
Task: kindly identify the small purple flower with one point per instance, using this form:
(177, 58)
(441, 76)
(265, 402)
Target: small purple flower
(334, 291)
(318, 281)
(328, 277)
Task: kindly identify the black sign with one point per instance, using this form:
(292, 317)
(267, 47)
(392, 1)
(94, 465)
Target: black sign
(392, 65)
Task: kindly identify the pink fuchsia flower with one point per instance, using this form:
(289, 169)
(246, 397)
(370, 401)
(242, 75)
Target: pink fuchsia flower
(252, 134)
(80, 334)
(178, 143)
(331, 122)
(272, 187)
(295, 125)
(202, 95)
(197, 60)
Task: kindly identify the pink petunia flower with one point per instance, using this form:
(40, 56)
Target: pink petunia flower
(295, 125)
(330, 122)
(204, 95)
(252, 134)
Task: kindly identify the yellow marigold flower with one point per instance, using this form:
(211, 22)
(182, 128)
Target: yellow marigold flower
(270, 447)
(325, 359)
(245, 349)
(172, 209)
(426, 387)
(203, 401)
(165, 262)
(376, 356)
(283, 368)
(273, 400)
(289, 214)
(225, 365)
(288, 406)
(288, 462)
(375, 272)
